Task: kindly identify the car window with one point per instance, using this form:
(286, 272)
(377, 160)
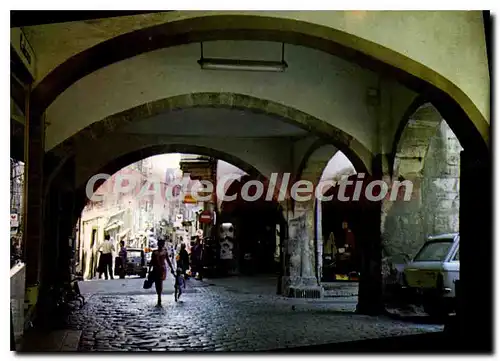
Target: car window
(434, 250)
(134, 254)
(457, 255)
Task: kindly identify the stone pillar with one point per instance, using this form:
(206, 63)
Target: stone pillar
(300, 277)
(66, 224)
(34, 156)
(475, 307)
(59, 218)
(51, 232)
(283, 240)
(370, 243)
(319, 239)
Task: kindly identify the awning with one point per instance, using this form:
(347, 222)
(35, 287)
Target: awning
(115, 220)
(116, 216)
(113, 225)
(124, 233)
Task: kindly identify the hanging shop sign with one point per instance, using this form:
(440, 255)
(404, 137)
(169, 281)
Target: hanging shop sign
(189, 199)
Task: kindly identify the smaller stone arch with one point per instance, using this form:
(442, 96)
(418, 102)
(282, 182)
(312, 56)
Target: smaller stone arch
(414, 141)
(359, 162)
(427, 154)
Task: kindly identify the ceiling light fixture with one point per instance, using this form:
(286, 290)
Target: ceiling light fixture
(243, 65)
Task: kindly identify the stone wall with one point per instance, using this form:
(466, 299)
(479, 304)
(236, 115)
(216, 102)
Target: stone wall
(441, 183)
(434, 207)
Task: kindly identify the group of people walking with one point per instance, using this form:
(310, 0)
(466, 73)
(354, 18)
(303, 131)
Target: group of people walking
(162, 260)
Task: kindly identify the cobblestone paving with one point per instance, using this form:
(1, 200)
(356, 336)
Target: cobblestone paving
(216, 318)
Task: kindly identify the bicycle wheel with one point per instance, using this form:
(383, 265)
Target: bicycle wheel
(80, 297)
(73, 298)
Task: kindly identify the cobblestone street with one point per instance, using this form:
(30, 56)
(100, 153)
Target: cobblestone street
(121, 316)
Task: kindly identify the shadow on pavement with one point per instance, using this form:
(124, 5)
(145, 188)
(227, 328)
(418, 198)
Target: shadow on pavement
(435, 342)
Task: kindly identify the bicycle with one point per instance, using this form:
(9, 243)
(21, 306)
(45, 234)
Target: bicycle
(68, 295)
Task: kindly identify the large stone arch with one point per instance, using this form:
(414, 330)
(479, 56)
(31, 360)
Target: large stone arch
(428, 155)
(100, 129)
(468, 123)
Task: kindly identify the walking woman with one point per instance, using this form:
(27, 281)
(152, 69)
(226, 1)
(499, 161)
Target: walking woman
(183, 259)
(158, 268)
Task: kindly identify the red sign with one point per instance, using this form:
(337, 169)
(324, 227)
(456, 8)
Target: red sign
(206, 217)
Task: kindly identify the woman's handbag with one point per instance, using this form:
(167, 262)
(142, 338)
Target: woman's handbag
(148, 282)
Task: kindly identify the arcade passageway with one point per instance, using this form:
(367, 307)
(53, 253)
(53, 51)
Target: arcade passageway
(395, 101)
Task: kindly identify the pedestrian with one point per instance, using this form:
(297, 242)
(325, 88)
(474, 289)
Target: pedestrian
(183, 259)
(180, 284)
(122, 254)
(158, 268)
(106, 260)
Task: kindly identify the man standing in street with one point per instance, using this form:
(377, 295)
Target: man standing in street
(107, 248)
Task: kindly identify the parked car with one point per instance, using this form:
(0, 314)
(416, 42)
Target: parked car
(432, 273)
(136, 263)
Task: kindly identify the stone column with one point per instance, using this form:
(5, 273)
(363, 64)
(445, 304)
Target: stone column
(283, 241)
(59, 218)
(66, 224)
(475, 307)
(51, 232)
(370, 243)
(319, 240)
(300, 278)
(34, 157)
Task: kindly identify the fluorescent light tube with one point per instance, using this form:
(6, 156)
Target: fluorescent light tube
(242, 65)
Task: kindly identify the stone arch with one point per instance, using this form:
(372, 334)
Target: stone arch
(63, 215)
(272, 209)
(360, 163)
(311, 168)
(98, 130)
(414, 141)
(134, 156)
(428, 155)
(470, 125)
